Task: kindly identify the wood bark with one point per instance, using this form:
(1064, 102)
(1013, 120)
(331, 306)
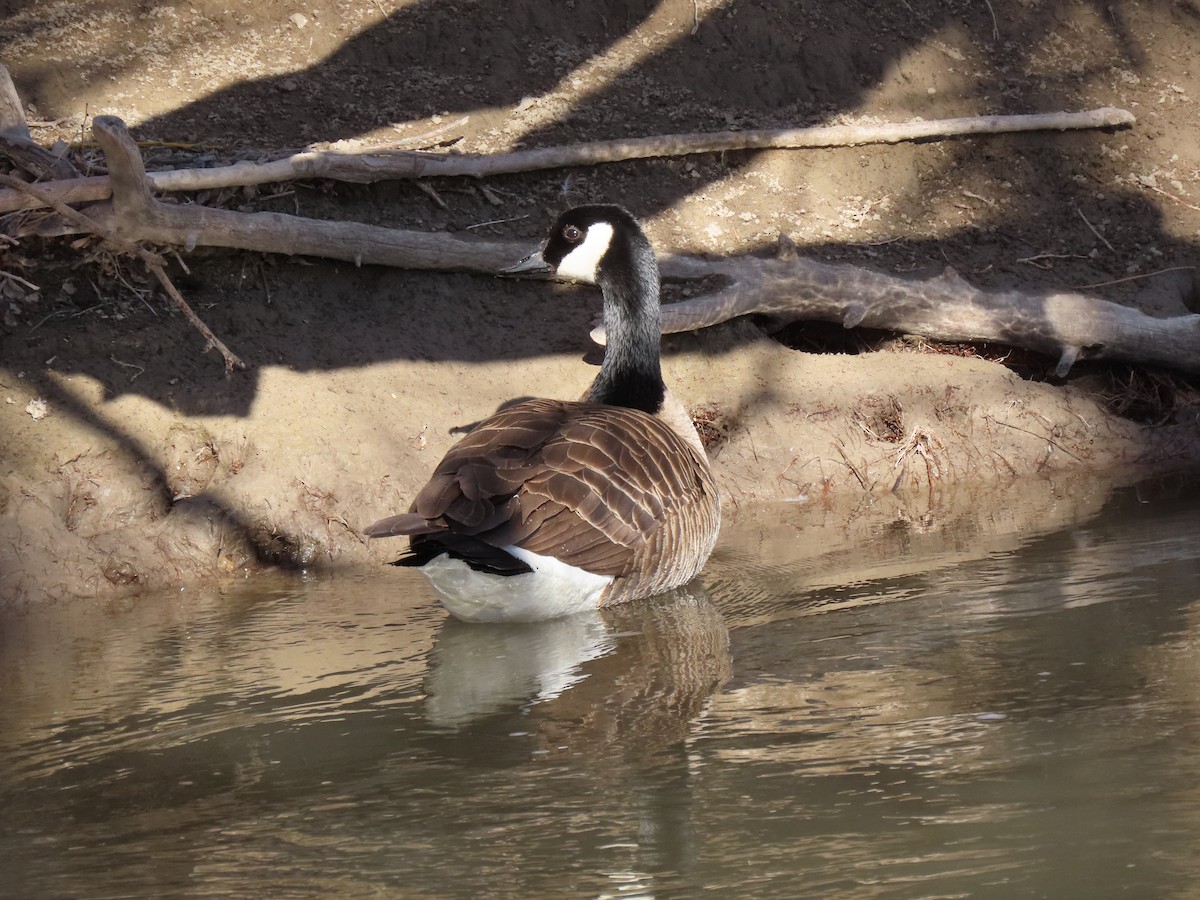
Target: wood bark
(17, 144)
(1063, 325)
(135, 215)
(366, 168)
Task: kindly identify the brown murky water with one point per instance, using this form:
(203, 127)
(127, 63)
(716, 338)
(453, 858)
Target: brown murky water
(997, 705)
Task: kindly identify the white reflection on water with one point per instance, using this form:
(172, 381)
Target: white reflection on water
(477, 671)
(963, 696)
(667, 657)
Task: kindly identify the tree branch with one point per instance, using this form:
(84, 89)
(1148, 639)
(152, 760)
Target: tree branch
(1063, 325)
(137, 216)
(366, 168)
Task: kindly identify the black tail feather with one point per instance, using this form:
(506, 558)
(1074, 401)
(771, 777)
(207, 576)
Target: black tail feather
(480, 556)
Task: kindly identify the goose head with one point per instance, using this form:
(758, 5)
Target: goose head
(603, 244)
(594, 244)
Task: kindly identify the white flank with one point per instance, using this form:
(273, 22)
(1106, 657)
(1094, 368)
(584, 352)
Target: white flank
(582, 262)
(551, 590)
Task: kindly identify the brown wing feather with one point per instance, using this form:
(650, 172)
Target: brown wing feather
(405, 523)
(600, 487)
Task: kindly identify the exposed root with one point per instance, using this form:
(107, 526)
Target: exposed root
(1150, 397)
(712, 425)
(921, 443)
(153, 262)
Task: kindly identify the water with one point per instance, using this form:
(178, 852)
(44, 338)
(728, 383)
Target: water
(964, 697)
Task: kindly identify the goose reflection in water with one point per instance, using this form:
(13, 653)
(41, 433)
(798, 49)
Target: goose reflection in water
(632, 676)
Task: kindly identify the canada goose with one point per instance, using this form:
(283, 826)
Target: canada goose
(551, 507)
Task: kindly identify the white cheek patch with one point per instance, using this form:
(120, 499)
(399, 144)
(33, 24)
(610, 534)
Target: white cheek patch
(582, 262)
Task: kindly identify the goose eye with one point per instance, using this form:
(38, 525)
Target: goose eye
(572, 234)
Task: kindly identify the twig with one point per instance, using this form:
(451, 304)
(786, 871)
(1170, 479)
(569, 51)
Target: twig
(120, 276)
(945, 308)
(497, 222)
(1084, 287)
(428, 191)
(1034, 260)
(19, 280)
(853, 468)
(1011, 470)
(262, 272)
(1168, 195)
(140, 369)
(1102, 238)
(232, 361)
(44, 320)
(145, 303)
(1040, 437)
(430, 138)
(975, 196)
(995, 24)
(132, 199)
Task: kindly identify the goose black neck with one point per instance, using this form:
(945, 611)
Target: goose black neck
(631, 374)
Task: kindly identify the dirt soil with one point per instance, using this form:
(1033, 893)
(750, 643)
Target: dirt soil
(128, 461)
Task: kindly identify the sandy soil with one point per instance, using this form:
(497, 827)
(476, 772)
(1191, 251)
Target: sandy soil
(129, 462)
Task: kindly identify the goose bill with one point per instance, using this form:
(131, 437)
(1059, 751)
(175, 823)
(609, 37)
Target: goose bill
(531, 263)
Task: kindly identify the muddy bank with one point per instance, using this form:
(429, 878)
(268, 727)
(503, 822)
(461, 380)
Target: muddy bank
(129, 463)
(120, 480)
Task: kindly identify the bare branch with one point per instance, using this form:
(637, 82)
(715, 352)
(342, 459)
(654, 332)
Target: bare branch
(366, 168)
(137, 216)
(1066, 326)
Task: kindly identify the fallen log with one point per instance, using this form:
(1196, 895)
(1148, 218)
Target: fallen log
(1063, 325)
(367, 168)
